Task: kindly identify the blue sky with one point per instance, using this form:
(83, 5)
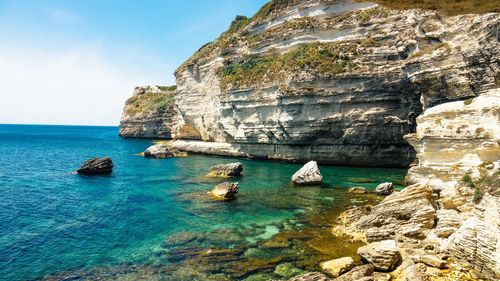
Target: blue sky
(77, 61)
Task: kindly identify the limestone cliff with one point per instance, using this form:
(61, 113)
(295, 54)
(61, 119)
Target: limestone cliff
(456, 138)
(450, 216)
(340, 82)
(149, 113)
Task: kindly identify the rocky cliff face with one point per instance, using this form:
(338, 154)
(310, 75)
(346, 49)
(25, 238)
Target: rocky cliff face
(149, 113)
(450, 216)
(456, 138)
(340, 82)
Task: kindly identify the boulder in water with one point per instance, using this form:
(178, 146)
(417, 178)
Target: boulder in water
(225, 190)
(309, 174)
(226, 170)
(385, 189)
(159, 151)
(357, 190)
(96, 166)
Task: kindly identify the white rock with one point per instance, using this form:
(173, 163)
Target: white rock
(383, 255)
(385, 188)
(309, 174)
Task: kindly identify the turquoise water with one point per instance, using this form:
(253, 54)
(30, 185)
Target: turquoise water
(55, 222)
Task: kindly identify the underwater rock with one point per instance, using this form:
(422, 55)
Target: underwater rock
(225, 190)
(311, 276)
(224, 236)
(309, 174)
(96, 166)
(385, 188)
(182, 238)
(159, 151)
(336, 267)
(226, 170)
(357, 190)
(287, 270)
(383, 255)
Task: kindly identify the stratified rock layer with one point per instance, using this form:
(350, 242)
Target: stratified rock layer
(455, 138)
(149, 113)
(338, 82)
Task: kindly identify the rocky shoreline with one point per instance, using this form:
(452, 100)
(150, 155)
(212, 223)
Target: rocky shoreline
(358, 84)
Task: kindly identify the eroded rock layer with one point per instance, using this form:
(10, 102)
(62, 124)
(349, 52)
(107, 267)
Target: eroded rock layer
(149, 113)
(340, 82)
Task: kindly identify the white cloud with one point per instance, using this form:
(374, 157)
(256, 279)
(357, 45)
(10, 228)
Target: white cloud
(73, 86)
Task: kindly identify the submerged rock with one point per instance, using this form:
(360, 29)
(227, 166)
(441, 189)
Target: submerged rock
(225, 190)
(357, 190)
(385, 188)
(96, 166)
(336, 267)
(383, 255)
(226, 170)
(287, 270)
(309, 174)
(311, 276)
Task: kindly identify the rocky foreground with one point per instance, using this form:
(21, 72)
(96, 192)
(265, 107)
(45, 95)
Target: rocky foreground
(354, 83)
(446, 226)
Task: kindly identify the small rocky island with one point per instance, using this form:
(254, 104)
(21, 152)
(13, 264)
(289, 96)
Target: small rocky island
(96, 166)
(378, 84)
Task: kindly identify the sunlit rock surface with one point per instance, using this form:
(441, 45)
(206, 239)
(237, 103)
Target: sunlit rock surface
(455, 138)
(149, 113)
(337, 82)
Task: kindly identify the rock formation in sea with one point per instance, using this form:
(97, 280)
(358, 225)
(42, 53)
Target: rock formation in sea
(226, 170)
(309, 174)
(96, 166)
(340, 82)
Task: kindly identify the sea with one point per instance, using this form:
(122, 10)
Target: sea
(152, 219)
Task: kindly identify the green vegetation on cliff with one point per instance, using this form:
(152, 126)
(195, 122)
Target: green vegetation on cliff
(151, 102)
(319, 58)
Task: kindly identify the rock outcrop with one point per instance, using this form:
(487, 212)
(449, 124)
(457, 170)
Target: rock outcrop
(338, 266)
(309, 174)
(477, 241)
(338, 82)
(383, 255)
(409, 213)
(455, 138)
(96, 166)
(450, 217)
(150, 113)
(359, 273)
(226, 170)
(158, 151)
(225, 190)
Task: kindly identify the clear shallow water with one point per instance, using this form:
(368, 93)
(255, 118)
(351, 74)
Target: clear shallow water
(150, 214)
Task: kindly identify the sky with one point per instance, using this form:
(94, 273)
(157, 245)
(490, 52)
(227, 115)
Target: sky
(75, 62)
